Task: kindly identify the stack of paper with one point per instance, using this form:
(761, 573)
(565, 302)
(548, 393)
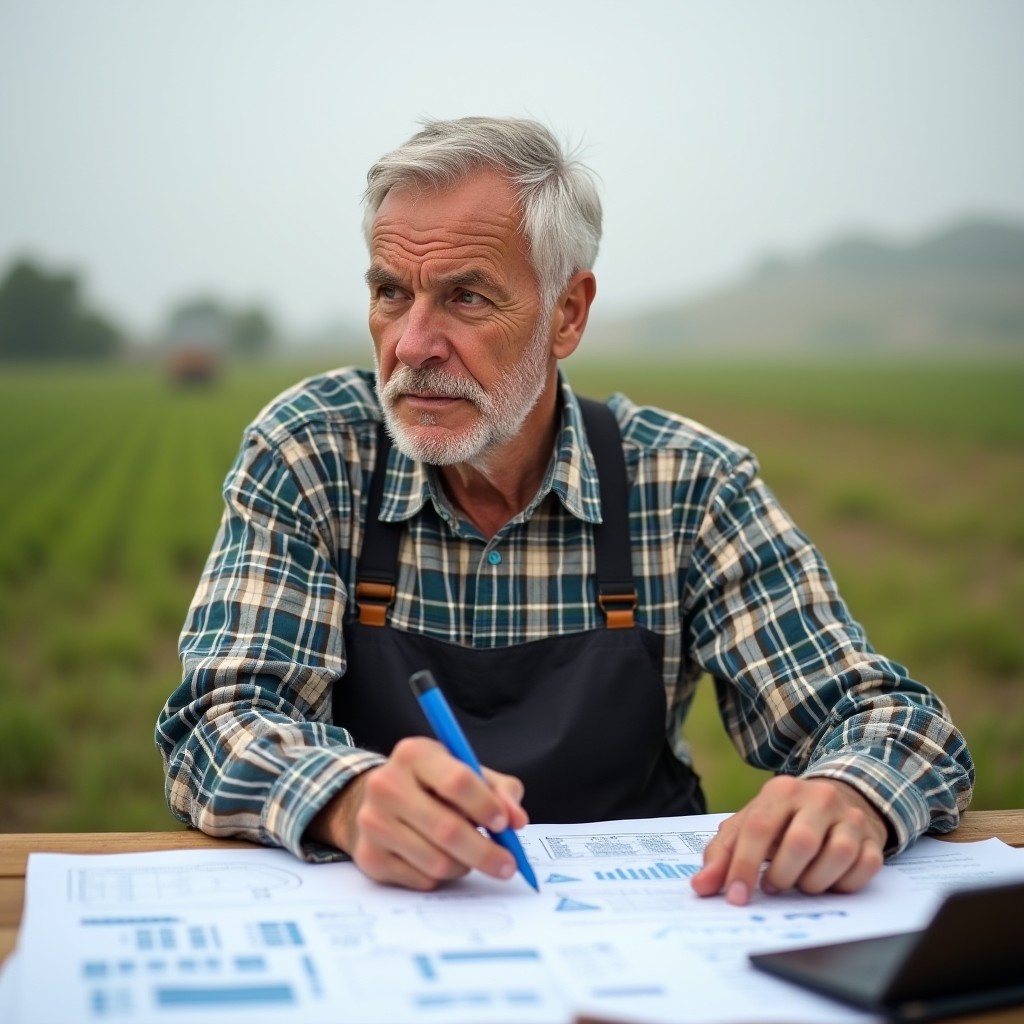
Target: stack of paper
(616, 932)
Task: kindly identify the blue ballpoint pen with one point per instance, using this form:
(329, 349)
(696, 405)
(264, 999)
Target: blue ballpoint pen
(448, 731)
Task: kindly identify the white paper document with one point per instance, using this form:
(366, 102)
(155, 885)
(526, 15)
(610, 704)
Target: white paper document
(616, 932)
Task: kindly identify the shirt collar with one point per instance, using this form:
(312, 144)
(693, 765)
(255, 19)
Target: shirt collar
(571, 474)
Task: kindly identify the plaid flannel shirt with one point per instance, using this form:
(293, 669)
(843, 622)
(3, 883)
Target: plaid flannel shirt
(723, 575)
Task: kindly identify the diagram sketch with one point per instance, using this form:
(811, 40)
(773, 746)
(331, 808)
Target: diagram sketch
(180, 886)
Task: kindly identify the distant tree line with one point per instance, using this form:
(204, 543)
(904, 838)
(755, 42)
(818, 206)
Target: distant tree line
(43, 315)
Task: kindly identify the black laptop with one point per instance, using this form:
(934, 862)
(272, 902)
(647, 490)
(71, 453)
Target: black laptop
(970, 958)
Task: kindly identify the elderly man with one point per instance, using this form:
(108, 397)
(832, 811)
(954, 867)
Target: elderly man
(567, 569)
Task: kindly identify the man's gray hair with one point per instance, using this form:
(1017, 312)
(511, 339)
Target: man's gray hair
(561, 210)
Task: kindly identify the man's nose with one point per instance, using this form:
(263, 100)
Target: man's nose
(423, 341)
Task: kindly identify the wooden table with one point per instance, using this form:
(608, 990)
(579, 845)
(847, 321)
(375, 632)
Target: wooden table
(16, 847)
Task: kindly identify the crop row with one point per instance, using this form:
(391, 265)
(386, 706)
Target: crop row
(911, 482)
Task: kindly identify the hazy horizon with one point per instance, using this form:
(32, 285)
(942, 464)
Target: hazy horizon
(165, 151)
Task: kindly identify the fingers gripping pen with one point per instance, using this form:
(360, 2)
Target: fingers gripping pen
(448, 731)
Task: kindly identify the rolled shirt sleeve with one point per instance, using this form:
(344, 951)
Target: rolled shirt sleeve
(248, 745)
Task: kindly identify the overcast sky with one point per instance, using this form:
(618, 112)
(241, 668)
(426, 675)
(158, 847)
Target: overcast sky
(168, 148)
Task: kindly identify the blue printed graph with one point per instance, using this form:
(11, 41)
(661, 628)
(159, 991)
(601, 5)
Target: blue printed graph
(202, 997)
(148, 939)
(567, 904)
(278, 933)
(203, 938)
(659, 871)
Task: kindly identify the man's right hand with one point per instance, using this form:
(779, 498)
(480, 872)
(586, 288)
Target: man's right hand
(413, 821)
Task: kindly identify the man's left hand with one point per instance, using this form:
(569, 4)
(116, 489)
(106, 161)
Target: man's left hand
(816, 834)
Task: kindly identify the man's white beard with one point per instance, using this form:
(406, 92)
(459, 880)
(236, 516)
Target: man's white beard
(501, 412)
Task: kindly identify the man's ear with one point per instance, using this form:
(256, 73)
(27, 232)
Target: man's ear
(571, 312)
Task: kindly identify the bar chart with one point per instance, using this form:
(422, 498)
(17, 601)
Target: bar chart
(659, 871)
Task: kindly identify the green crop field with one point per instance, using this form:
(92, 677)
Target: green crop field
(911, 480)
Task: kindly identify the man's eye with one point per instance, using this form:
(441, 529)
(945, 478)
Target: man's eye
(468, 298)
(389, 292)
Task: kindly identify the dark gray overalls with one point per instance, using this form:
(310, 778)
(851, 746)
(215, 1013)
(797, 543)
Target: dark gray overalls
(580, 719)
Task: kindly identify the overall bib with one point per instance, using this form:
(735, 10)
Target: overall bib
(580, 718)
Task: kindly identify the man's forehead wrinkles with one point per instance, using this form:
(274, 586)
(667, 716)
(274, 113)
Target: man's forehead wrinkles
(399, 256)
(421, 243)
(396, 258)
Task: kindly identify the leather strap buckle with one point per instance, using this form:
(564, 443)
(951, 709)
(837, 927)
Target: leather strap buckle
(618, 609)
(373, 601)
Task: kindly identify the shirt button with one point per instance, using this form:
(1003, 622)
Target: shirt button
(494, 557)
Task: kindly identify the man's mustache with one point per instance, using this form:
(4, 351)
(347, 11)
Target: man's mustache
(432, 381)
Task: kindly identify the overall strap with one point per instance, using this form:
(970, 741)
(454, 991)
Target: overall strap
(378, 560)
(616, 589)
